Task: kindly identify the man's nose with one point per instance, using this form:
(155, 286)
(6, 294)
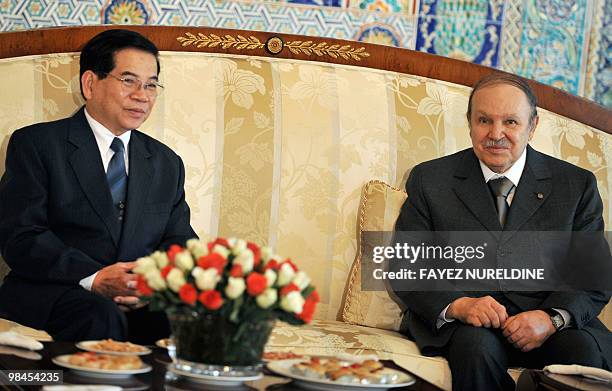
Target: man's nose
(496, 132)
(140, 94)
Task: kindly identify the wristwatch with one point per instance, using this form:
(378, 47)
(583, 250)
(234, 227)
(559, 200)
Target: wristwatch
(556, 318)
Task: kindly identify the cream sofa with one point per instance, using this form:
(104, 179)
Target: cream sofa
(283, 149)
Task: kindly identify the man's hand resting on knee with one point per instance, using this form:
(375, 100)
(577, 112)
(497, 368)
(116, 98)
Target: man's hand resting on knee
(478, 311)
(528, 330)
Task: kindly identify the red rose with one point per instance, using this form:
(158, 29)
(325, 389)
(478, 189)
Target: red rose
(221, 241)
(288, 261)
(173, 250)
(143, 287)
(256, 283)
(211, 299)
(212, 260)
(236, 271)
(164, 272)
(272, 264)
(288, 289)
(256, 253)
(309, 307)
(188, 294)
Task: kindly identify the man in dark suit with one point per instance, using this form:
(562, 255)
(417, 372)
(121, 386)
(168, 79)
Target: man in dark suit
(83, 197)
(502, 185)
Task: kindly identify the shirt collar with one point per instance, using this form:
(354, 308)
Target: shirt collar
(514, 173)
(104, 137)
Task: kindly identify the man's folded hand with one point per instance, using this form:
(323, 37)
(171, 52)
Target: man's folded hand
(116, 280)
(478, 311)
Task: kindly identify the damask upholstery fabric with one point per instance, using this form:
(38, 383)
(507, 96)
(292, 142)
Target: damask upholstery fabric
(277, 151)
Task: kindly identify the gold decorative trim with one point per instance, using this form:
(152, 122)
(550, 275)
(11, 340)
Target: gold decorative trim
(227, 41)
(274, 45)
(323, 48)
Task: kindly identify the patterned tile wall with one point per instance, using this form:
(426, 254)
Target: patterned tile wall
(564, 43)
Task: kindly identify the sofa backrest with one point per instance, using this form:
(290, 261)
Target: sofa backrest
(278, 147)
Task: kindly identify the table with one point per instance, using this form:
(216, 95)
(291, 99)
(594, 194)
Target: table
(157, 379)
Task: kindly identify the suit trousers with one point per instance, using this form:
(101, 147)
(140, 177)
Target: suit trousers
(83, 315)
(479, 357)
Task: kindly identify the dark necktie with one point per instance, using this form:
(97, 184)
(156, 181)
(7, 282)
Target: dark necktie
(116, 175)
(500, 188)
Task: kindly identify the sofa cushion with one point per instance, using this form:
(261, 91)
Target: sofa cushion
(379, 207)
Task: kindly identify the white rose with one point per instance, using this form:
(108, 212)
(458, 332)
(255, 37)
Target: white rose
(270, 277)
(144, 265)
(266, 254)
(193, 242)
(235, 287)
(285, 274)
(301, 280)
(246, 260)
(267, 298)
(197, 248)
(161, 258)
(205, 279)
(239, 246)
(176, 279)
(221, 250)
(183, 260)
(155, 280)
(293, 302)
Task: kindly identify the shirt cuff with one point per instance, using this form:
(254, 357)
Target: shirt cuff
(87, 282)
(442, 319)
(567, 318)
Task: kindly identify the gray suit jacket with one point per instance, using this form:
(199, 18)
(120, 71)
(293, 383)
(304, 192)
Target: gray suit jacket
(450, 194)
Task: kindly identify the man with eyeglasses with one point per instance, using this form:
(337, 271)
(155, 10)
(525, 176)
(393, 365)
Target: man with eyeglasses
(85, 196)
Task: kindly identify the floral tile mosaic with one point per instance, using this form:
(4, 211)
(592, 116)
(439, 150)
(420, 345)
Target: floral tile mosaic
(467, 30)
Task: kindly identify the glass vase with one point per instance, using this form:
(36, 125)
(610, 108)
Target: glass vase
(206, 343)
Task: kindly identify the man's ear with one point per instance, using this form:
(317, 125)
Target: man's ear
(87, 81)
(534, 125)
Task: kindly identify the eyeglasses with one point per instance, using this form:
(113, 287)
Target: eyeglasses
(132, 84)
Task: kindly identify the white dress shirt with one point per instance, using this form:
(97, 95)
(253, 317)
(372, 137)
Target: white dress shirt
(514, 174)
(104, 138)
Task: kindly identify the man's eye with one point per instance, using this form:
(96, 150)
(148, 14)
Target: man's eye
(482, 120)
(150, 86)
(511, 122)
(129, 82)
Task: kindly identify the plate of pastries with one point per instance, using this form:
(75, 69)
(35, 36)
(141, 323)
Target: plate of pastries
(102, 365)
(110, 346)
(333, 373)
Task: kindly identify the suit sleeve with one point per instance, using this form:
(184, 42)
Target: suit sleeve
(415, 216)
(583, 306)
(28, 245)
(178, 230)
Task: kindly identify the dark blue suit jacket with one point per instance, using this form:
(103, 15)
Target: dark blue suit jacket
(57, 221)
(450, 194)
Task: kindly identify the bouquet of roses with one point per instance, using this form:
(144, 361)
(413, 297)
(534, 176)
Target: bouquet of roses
(232, 278)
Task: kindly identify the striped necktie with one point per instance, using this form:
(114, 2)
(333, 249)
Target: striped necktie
(116, 175)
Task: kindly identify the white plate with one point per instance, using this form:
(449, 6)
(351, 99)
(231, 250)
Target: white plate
(62, 361)
(283, 368)
(163, 343)
(224, 381)
(88, 345)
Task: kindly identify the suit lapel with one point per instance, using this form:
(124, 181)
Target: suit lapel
(533, 189)
(474, 193)
(139, 181)
(87, 165)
